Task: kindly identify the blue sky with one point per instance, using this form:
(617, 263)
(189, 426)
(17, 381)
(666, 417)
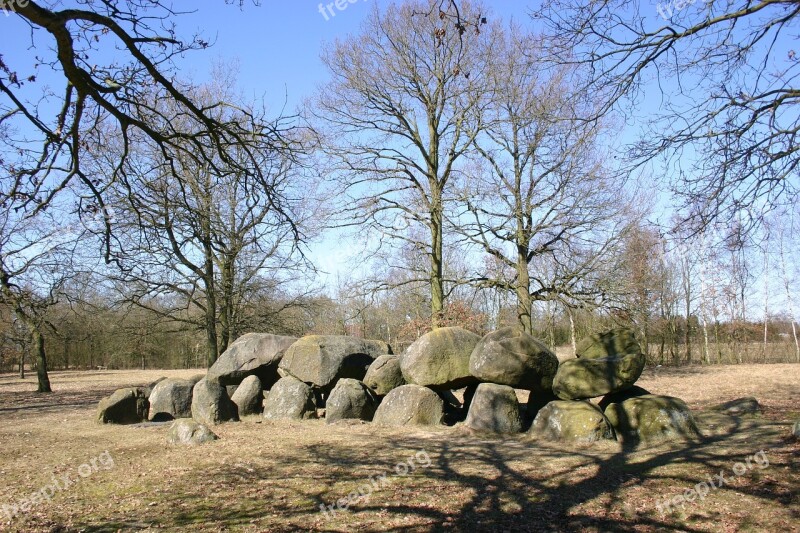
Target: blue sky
(278, 43)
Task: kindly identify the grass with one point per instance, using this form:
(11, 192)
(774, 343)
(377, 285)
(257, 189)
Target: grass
(273, 476)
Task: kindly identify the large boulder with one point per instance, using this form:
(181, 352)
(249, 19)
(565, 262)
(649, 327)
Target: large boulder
(569, 421)
(211, 404)
(583, 378)
(440, 359)
(384, 374)
(171, 399)
(322, 360)
(291, 399)
(350, 399)
(187, 431)
(652, 418)
(495, 409)
(621, 396)
(511, 357)
(611, 343)
(410, 405)
(249, 396)
(252, 354)
(124, 406)
(148, 389)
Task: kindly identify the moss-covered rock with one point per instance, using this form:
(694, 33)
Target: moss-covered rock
(384, 374)
(350, 399)
(290, 399)
(511, 357)
(585, 378)
(611, 343)
(440, 359)
(652, 418)
(571, 421)
(410, 405)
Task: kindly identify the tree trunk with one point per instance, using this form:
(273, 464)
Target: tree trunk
(523, 290)
(437, 261)
(22, 364)
(572, 338)
(766, 305)
(212, 350)
(37, 346)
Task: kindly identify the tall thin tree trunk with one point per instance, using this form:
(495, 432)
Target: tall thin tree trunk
(212, 351)
(22, 364)
(573, 340)
(437, 262)
(766, 304)
(704, 313)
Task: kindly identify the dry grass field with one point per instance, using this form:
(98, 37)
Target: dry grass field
(269, 476)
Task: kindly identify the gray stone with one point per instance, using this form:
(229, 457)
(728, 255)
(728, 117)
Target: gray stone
(440, 359)
(410, 405)
(739, 407)
(611, 343)
(171, 399)
(511, 357)
(651, 418)
(495, 409)
(186, 431)
(350, 399)
(291, 399)
(322, 360)
(252, 354)
(124, 406)
(571, 421)
(211, 404)
(584, 378)
(796, 430)
(248, 396)
(384, 374)
(148, 390)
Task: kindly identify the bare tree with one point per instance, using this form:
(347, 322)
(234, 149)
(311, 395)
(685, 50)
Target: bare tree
(35, 260)
(63, 86)
(538, 198)
(728, 76)
(203, 236)
(399, 114)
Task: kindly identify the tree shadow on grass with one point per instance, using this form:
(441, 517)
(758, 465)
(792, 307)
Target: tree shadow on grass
(471, 484)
